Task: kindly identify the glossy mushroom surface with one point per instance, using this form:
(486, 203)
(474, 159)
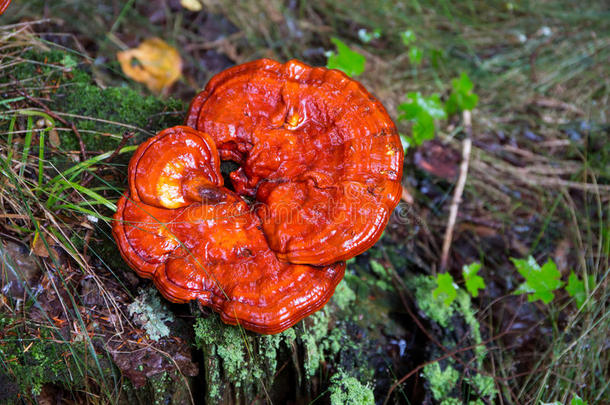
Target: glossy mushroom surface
(198, 240)
(317, 152)
(4, 5)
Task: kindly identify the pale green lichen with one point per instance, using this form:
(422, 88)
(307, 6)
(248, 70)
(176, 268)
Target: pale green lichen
(319, 340)
(240, 358)
(348, 390)
(312, 336)
(148, 312)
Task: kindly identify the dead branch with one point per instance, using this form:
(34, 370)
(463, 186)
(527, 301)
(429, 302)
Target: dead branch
(459, 189)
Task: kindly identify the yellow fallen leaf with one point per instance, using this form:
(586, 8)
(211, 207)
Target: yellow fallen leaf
(155, 63)
(39, 248)
(192, 5)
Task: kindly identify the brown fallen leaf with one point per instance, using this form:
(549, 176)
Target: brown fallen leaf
(54, 138)
(154, 62)
(561, 255)
(39, 248)
(438, 159)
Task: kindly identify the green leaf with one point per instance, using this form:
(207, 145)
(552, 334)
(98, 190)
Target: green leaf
(423, 129)
(540, 282)
(474, 282)
(576, 400)
(408, 37)
(446, 288)
(423, 111)
(461, 98)
(346, 60)
(431, 105)
(463, 84)
(411, 108)
(415, 55)
(577, 289)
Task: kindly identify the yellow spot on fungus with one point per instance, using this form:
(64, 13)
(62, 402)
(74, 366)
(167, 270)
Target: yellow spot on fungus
(293, 121)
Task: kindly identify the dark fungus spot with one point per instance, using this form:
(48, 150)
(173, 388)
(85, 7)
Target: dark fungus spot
(212, 195)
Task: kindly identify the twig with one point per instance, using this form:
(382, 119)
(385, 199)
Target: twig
(459, 189)
(127, 135)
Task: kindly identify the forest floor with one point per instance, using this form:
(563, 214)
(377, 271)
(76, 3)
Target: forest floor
(76, 325)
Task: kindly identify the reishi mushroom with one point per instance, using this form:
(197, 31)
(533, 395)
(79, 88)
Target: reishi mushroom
(4, 5)
(320, 164)
(316, 150)
(198, 240)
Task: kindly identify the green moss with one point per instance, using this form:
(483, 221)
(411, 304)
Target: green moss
(166, 388)
(433, 308)
(460, 311)
(237, 357)
(442, 382)
(33, 361)
(323, 342)
(115, 106)
(344, 296)
(348, 390)
(484, 385)
(384, 281)
(101, 115)
(464, 308)
(247, 361)
(314, 331)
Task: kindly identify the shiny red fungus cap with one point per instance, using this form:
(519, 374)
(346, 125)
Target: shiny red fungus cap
(317, 152)
(4, 5)
(198, 240)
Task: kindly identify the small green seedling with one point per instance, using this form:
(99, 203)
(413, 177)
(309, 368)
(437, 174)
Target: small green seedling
(461, 98)
(446, 288)
(577, 288)
(473, 281)
(407, 37)
(540, 282)
(423, 111)
(350, 62)
(576, 400)
(415, 54)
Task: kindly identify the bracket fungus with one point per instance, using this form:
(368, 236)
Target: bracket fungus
(320, 169)
(4, 5)
(198, 240)
(317, 151)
